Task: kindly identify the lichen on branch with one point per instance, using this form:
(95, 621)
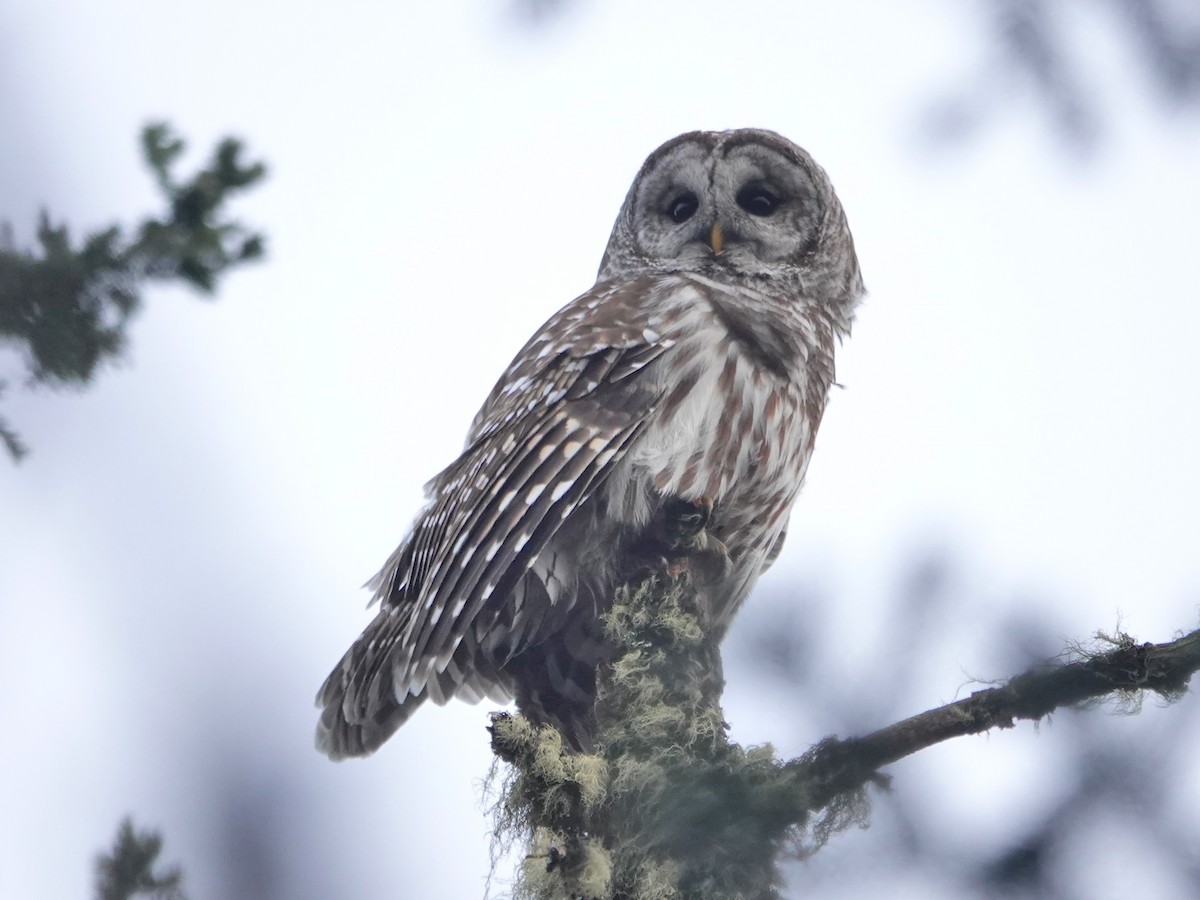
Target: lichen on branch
(668, 807)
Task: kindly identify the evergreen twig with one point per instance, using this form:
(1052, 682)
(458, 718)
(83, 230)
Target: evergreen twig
(66, 306)
(128, 871)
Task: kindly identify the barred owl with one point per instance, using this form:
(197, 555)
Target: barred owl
(669, 410)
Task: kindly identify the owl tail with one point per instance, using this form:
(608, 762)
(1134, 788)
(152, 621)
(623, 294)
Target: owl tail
(359, 709)
(374, 689)
(339, 738)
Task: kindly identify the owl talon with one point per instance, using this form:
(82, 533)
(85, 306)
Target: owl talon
(677, 568)
(679, 544)
(684, 522)
(709, 562)
(712, 562)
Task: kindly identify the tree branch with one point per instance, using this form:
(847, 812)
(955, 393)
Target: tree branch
(668, 806)
(840, 765)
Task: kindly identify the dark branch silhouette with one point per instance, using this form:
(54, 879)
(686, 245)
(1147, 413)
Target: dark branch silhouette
(1127, 669)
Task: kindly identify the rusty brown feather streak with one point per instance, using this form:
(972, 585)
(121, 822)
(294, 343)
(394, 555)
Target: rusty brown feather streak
(669, 803)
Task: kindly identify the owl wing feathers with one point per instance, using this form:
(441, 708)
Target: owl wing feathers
(565, 410)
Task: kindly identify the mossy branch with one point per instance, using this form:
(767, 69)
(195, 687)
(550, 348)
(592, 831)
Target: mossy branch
(669, 807)
(1122, 672)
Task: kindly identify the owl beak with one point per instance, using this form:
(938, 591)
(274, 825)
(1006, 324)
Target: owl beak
(716, 238)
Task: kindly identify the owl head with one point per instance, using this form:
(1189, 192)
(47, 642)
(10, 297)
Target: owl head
(744, 204)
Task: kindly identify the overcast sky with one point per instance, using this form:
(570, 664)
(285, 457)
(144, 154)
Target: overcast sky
(181, 554)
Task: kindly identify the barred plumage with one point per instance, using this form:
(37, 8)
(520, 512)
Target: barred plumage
(693, 376)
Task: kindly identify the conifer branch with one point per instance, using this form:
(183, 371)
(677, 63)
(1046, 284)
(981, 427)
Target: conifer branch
(129, 870)
(66, 306)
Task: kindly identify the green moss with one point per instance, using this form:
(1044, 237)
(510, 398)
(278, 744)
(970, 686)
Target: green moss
(667, 807)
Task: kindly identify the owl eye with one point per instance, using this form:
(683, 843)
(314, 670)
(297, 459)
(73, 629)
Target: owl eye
(683, 207)
(757, 200)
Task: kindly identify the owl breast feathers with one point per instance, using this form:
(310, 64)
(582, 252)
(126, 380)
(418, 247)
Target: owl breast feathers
(670, 409)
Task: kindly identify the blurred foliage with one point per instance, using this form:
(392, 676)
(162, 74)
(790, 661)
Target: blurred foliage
(1036, 52)
(128, 871)
(67, 306)
(538, 12)
(1039, 46)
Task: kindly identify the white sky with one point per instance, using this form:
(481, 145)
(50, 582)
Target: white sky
(180, 556)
